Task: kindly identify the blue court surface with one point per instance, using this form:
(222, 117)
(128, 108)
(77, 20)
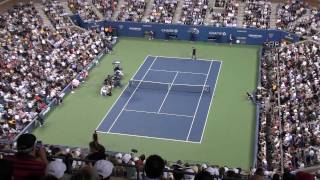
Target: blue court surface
(168, 98)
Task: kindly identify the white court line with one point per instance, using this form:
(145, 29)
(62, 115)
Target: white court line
(164, 113)
(148, 137)
(151, 81)
(149, 112)
(187, 58)
(170, 86)
(156, 82)
(114, 122)
(182, 72)
(194, 115)
(213, 93)
(145, 59)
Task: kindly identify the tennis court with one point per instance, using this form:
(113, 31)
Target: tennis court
(228, 138)
(167, 98)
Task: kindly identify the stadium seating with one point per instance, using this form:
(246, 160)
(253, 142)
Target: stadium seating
(56, 13)
(126, 165)
(132, 10)
(288, 12)
(257, 14)
(227, 18)
(84, 9)
(26, 87)
(308, 25)
(299, 106)
(106, 7)
(194, 12)
(163, 11)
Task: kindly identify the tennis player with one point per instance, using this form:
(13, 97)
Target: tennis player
(194, 53)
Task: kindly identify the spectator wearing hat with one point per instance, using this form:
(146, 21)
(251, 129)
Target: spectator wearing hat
(25, 162)
(154, 167)
(56, 169)
(104, 169)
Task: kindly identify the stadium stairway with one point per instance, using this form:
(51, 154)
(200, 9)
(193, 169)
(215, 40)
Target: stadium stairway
(273, 16)
(117, 11)
(46, 21)
(302, 18)
(148, 10)
(240, 14)
(177, 14)
(208, 14)
(96, 11)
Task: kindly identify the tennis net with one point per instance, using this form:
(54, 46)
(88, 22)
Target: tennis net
(167, 86)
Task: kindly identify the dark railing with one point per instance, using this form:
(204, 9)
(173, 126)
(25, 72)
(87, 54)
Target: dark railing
(258, 106)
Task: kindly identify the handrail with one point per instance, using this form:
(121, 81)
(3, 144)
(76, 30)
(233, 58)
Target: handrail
(279, 112)
(258, 106)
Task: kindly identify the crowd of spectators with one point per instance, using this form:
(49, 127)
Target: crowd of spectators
(34, 160)
(316, 37)
(227, 18)
(299, 18)
(290, 11)
(224, 14)
(298, 67)
(269, 154)
(257, 14)
(220, 3)
(56, 13)
(36, 63)
(163, 11)
(194, 12)
(307, 26)
(132, 10)
(84, 9)
(106, 7)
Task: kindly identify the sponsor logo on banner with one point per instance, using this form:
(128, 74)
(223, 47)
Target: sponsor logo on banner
(135, 28)
(272, 44)
(194, 30)
(242, 31)
(170, 30)
(120, 26)
(218, 33)
(257, 36)
(146, 25)
(288, 36)
(241, 38)
(271, 35)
